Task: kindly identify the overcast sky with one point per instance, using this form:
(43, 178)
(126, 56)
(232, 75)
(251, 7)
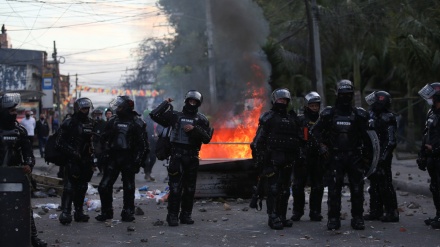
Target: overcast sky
(96, 38)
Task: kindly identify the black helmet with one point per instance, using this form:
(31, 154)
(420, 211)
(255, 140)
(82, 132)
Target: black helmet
(82, 103)
(345, 86)
(195, 95)
(9, 100)
(280, 93)
(312, 97)
(379, 100)
(122, 104)
(97, 111)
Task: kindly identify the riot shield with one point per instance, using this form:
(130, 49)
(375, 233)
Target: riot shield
(372, 152)
(15, 208)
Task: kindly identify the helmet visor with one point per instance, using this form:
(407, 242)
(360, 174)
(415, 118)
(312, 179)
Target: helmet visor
(427, 92)
(371, 98)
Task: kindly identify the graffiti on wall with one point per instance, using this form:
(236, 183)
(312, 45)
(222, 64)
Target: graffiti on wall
(12, 77)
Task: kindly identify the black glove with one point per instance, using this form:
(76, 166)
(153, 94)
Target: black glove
(422, 163)
(323, 151)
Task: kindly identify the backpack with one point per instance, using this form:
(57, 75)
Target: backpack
(163, 144)
(51, 154)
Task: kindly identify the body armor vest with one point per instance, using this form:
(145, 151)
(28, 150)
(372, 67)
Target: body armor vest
(121, 140)
(178, 135)
(344, 136)
(284, 134)
(8, 149)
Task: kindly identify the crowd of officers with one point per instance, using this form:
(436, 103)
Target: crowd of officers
(335, 146)
(319, 147)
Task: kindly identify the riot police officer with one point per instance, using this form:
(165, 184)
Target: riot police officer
(75, 142)
(126, 144)
(189, 130)
(274, 145)
(17, 150)
(382, 193)
(339, 133)
(429, 155)
(308, 168)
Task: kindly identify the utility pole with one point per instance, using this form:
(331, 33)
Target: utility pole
(56, 78)
(77, 94)
(212, 79)
(312, 14)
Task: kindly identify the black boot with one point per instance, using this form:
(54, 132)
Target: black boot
(296, 216)
(65, 218)
(185, 218)
(172, 219)
(435, 224)
(275, 222)
(392, 216)
(127, 215)
(36, 242)
(333, 224)
(357, 223)
(372, 216)
(66, 206)
(286, 222)
(80, 216)
(315, 216)
(105, 215)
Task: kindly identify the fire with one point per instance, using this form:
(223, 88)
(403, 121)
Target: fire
(232, 136)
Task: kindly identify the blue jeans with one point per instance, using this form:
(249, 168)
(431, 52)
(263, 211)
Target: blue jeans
(41, 144)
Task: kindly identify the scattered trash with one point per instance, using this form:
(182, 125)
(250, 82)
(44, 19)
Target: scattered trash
(144, 188)
(226, 206)
(203, 210)
(144, 240)
(93, 204)
(403, 193)
(36, 215)
(48, 206)
(131, 229)
(413, 205)
(245, 209)
(137, 195)
(39, 194)
(402, 229)
(91, 190)
(52, 192)
(53, 216)
(224, 219)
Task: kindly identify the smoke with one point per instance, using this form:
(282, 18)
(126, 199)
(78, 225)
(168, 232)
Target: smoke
(239, 30)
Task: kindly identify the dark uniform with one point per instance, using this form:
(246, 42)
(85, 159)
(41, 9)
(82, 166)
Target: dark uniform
(75, 142)
(189, 130)
(340, 134)
(310, 167)
(126, 144)
(382, 193)
(429, 155)
(15, 147)
(276, 148)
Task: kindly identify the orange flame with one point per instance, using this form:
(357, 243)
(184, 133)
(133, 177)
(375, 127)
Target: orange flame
(232, 137)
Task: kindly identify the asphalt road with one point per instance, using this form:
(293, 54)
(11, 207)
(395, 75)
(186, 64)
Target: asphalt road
(229, 222)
